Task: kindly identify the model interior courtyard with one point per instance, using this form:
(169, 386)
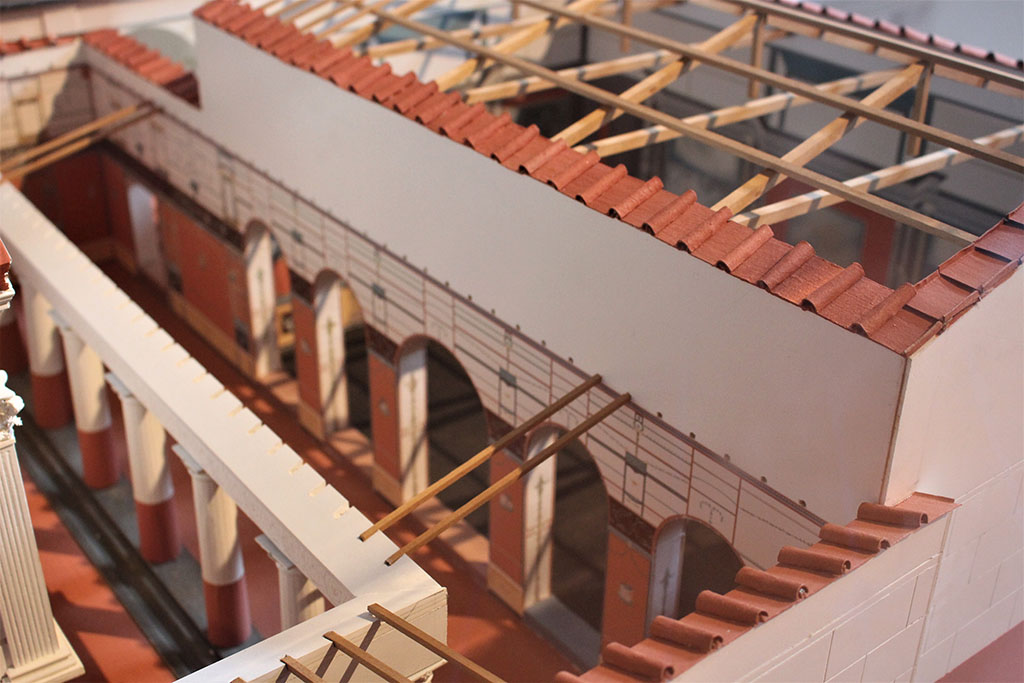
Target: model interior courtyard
(464, 340)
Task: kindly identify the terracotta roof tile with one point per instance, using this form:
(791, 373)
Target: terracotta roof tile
(813, 560)
(649, 208)
(583, 164)
(496, 136)
(872, 320)
(690, 219)
(791, 260)
(693, 240)
(516, 143)
(486, 128)
(830, 290)
(850, 306)
(268, 37)
(153, 66)
(690, 637)
(138, 59)
(636, 663)
(745, 249)
(453, 127)
(1005, 240)
(532, 163)
(611, 189)
(730, 608)
(758, 264)
(210, 10)
(367, 83)
(575, 187)
(222, 19)
(326, 61)
(239, 23)
(905, 331)
(664, 215)
(650, 188)
(388, 86)
(307, 54)
(722, 242)
(941, 298)
(146, 62)
(770, 584)
(1017, 216)
(977, 270)
(412, 96)
(476, 123)
(349, 71)
(284, 49)
(852, 538)
(815, 272)
(564, 159)
(434, 106)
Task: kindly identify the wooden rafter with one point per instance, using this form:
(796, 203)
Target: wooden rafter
(512, 477)
(300, 670)
(815, 144)
(651, 135)
(474, 670)
(902, 123)
(587, 72)
(886, 208)
(363, 32)
(321, 19)
(877, 180)
(479, 459)
(655, 82)
(360, 11)
(365, 658)
(920, 110)
(512, 43)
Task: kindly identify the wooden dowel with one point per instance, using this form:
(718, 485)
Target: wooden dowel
(625, 142)
(300, 670)
(365, 658)
(361, 11)
(816, 143)
(324, 18)
(756, 55)
(70, 149)
(60, 140)
(312, 8)
(478, 459)
(494, 489)
(363, 32)
(433, 644)
(920, 110)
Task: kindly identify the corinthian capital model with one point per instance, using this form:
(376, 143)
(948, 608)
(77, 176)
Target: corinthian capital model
(10, 405)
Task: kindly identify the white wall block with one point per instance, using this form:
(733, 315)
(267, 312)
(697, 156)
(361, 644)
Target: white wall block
(851, 674)
(974, 635)
(895, 655)
(871, 627)
(807, 664)
(933, 662)
(956, 606)
(923, 586)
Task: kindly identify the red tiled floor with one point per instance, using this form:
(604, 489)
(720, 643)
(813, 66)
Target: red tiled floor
(480, 626)
(106, 639)
(1002, 661)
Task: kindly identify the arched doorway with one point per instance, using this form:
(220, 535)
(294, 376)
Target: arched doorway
(270, 308)
(341, 354)
(441, 425)
(144, 218)
(565, 544)
(689, 557)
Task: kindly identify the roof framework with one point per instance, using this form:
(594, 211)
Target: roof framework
(756, 24)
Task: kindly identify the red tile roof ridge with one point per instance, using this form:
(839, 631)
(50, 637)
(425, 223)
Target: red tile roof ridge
(690, 637)
(148, 63)
(638, 664)
(850, 538)
(905, 32)
(830, 290)
(761, 595)
(842, 296)
(365, 84)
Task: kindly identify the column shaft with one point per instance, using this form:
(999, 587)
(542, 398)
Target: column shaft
(51, 402)
(220, 557)
(92, 411)
(152, 486)
(298, 597)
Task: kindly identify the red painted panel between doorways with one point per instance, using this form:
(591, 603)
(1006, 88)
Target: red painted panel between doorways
(304, 319)
(384, 408)
(506, 525)
(626, 588)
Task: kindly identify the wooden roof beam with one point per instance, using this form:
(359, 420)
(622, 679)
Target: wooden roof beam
(752, 154)
(513, 43)
(876, 180)
(902, 123)
(815, 144)
(655, 82)
(396, 622)
(652, 135)
(365, 658)
(300, 670)
(360, 34)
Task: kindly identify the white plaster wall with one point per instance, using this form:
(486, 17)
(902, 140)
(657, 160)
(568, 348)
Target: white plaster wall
(777, 388)
(961, 418)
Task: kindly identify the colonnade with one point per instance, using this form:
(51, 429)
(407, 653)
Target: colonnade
(69, 381)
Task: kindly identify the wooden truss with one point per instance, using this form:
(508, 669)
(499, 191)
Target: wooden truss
(755, 25)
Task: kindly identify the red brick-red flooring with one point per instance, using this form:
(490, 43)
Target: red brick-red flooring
(105, 638)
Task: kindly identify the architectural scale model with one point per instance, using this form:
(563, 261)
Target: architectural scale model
(685, 324)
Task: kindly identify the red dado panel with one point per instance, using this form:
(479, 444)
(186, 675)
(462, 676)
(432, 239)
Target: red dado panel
(117, 204)
(72, 195)
(384, 408)
(212, 273)
(625, 592)
(305, 353)
(506, 526)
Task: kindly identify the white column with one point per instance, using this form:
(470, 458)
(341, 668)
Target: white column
(259, 278)
(298, 597)
(36, 648)
(538, 518)
(220, 558)
(91, 408)
(152, 486)
(412, 421)
(51, 405)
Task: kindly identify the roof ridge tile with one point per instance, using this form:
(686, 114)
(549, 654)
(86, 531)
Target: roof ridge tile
(365, 84)
(745, 249)
(533, 164)
(516, 143)
(432, 107)
(676, 208)
(454, 127)
(630, 203)
(574, 171)
(693, 239)
(729, 608)
(769, 584)
(639, 664)
(596, 189)
(830, 290)
(790, 262)
(849, 538)
(690, 637)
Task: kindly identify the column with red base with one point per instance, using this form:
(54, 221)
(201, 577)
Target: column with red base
(91, 408)
(220, 558)
(298, 597)
(51, 402)
(152, 486)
